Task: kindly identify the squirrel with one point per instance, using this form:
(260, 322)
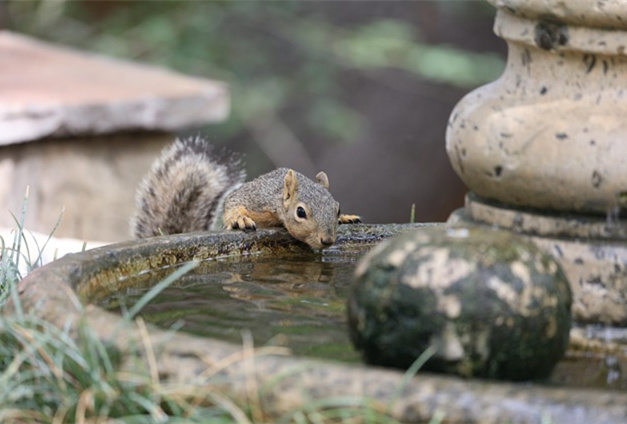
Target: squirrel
(191, 183)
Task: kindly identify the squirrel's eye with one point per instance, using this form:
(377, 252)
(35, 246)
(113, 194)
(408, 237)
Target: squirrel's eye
(300, 212)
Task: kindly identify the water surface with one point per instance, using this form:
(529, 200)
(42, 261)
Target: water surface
(292, 301)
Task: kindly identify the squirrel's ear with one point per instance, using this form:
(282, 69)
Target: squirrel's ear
(323, 180)
(290, 188)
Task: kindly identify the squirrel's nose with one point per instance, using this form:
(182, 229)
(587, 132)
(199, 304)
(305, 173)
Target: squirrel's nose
(327, 241)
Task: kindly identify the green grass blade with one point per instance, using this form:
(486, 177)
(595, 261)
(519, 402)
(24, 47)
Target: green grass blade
(158, 288)
(17, 241)
(39, 261)
(413, 370)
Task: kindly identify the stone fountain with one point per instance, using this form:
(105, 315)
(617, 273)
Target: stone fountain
(540, 150)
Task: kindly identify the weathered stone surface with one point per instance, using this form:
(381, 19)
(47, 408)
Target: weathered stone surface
(591, 251)
(543, 146)
(549, 133)
(49, 90)
(86, 106)
(601, 13)
(492, 305)
(50, 293)
(91, 180)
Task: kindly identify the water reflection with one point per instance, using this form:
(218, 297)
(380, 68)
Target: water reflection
(295, 301)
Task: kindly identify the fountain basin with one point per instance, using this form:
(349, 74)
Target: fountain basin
(61, 291)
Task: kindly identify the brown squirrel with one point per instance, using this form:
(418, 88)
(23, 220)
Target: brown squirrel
(191, 182)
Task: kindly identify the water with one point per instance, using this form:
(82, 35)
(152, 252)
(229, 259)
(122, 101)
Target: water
(295, 301)
(298, 302)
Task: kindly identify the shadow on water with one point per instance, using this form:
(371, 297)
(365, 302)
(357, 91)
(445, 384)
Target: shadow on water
(298, 301)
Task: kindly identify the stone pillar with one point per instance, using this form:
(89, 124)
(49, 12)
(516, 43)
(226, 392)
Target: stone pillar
(543, 148)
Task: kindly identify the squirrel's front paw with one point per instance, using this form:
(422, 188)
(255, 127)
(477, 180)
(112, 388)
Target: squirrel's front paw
(239, 219)
(243, 222)
(349, 219)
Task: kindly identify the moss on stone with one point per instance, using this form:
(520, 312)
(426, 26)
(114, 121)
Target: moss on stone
(492, 305)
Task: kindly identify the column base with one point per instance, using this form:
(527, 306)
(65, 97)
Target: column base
(591, 250)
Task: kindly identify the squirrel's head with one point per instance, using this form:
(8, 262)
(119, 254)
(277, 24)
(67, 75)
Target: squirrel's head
(310, 212)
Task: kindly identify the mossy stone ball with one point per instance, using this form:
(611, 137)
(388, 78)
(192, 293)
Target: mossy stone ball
(489, 304)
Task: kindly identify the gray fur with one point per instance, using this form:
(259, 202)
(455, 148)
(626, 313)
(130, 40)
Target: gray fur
(185, 189)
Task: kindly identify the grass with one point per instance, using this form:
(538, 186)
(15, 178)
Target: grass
(19, 255)
(70, 375)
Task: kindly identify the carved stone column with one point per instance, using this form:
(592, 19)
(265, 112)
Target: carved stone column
(544, 148)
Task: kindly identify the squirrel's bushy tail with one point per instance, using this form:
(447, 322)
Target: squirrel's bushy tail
(185, 189)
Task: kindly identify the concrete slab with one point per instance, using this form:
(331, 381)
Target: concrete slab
(52, 91)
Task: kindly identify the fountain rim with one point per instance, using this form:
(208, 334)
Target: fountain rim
(52, 293)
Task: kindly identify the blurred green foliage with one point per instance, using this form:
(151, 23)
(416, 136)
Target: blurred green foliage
(280, 58)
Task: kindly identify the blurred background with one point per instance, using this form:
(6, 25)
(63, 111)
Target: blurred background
(360, 89)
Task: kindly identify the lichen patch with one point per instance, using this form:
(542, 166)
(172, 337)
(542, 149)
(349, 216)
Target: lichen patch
(447, 343)
(551, 328)
(438, 270)
(451, 306)
(398, 256)
(521, 271)
(504, 291)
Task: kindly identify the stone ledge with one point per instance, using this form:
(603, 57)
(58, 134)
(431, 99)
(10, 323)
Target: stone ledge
(53, 91)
